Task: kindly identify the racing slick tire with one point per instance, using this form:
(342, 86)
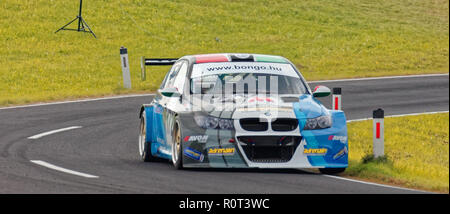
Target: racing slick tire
(331, 171)
(145, 150)
(177, 159)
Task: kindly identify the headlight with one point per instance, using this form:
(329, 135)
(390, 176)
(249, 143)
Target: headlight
(321, 122)
(226, 124)
(208, 122)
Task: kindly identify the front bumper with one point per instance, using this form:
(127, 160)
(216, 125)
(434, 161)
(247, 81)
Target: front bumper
(212, 148)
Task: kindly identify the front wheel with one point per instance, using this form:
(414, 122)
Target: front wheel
(177, 159)
(331, 171)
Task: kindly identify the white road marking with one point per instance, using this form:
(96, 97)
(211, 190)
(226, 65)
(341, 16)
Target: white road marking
(378, 78)
(53, 132)
(143, 95)
(78, 101)
(399, 115)
(374, 184)
(57, 168)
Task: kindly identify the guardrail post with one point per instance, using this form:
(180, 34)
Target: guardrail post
(125, 67)
(337, 99)
(378, 133)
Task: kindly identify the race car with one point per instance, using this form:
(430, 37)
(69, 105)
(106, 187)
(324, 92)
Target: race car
(241, 111)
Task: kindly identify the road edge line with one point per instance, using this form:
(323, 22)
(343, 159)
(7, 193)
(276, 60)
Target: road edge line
(375, 184)
(77, 101)
(60, 169)
(37, 136)
(399, 115)
(377, 78)
(152, 94)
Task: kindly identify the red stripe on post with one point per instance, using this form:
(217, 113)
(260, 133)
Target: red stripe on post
(378, 131)
(336, 103)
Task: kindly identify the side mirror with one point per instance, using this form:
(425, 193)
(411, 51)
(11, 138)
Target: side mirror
(169, 92)
(321, 91)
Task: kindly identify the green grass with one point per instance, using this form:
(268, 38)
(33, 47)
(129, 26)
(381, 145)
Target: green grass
(416, 149)
(325, 39)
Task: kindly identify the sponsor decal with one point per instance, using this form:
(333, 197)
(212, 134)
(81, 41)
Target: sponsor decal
(250, 67)
(259, 99)
(221, 151)
(240, 67)
(198, 138)
(315, 88)
(194, 154)
(340, 153)
(342, 139)
(160, 140)
(283, 109)
(158, 109)
(320, 151)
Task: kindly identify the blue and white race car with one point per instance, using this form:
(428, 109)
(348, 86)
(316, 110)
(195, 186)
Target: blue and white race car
(241, 111)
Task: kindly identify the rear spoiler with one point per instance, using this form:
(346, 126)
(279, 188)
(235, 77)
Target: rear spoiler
(155, 62)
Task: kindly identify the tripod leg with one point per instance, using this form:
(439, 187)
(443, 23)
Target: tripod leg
(88, 27)
(66, 24)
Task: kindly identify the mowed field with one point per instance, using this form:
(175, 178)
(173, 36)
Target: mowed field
(325, 39)
(416, 149)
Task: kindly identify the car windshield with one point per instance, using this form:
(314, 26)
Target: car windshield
(246, 78)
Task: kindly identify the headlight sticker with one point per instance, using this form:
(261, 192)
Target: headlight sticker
(321, 122)
(342, 139)
(320, 151)
(221, 151)
(209, 122)
(341, 153)
(194, 154)
(198, 138)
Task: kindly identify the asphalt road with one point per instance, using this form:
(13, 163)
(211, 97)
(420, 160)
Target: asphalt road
(106, 146)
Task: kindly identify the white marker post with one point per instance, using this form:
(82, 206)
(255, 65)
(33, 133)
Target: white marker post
(125, 67)
(143, 72)
(378, 133)
(337, 99)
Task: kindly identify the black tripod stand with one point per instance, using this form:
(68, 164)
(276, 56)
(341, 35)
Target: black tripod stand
(81, 24)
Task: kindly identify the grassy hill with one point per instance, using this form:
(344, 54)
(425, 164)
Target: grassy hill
(325, 39)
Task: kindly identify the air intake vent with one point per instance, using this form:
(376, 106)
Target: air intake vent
(269, 149)
(254, 124)
(284, 124)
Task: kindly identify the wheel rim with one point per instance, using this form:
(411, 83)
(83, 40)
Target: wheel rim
(177, 145)
(142, 138)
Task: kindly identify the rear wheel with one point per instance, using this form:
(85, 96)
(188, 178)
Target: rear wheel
(145, 150)
(331, 171)
(177, 160)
